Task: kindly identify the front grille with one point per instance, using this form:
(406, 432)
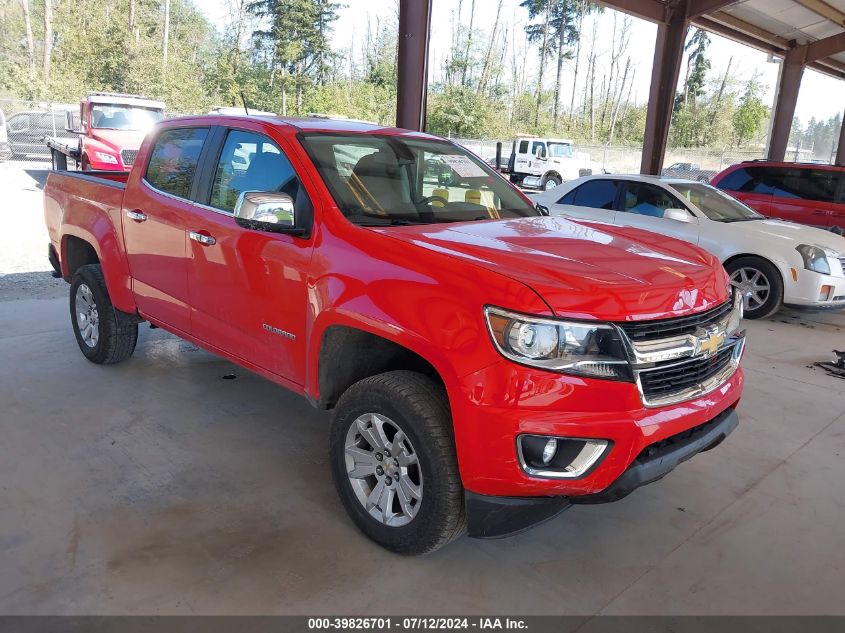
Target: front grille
(128, 156)
(676, 326)
(673, 377)
(842, 261)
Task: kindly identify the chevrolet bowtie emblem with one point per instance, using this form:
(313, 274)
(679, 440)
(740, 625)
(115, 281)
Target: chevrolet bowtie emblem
(711, 343)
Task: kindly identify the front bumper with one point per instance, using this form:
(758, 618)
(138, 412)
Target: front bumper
(504, 400)
(808, 287)
(494, 517)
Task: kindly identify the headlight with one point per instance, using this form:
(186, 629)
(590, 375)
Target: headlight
(103, 157)
(584, 349)
(735, 319)
(814, 258)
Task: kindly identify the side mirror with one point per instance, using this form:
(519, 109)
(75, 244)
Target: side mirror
(267, 211)
(540, 154)
(679, 215)
(72, 123)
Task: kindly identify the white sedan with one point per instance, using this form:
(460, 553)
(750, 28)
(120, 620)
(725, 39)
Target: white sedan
(772, 262)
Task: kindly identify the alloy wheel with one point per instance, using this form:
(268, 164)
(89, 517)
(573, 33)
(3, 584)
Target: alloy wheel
(87, 317)
(753, 285)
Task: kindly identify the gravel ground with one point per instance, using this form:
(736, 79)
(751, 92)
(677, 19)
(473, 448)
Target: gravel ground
(24, 269)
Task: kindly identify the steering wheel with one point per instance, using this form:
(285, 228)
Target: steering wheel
(429, 199)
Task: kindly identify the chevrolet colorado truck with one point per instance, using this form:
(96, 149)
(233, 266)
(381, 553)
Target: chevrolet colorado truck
(488, 365)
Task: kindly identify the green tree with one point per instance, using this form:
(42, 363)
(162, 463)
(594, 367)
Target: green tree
(750, 114)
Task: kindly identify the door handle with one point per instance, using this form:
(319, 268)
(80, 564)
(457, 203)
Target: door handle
(202, 238)
(137, 215)
(820, 212)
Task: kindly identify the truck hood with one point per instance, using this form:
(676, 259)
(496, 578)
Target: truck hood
(584, 269)
(118, 139)
(789, 234)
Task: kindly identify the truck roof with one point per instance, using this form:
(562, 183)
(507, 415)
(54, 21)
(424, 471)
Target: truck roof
(124, 99)
(544, 139)
(311, 124)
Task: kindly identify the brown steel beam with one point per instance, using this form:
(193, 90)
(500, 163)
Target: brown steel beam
(696, 8)
(840, 151)
(825, 10)
(412, 79)
(651, 10)
(825, 48)
(668, 53)
(786, 96)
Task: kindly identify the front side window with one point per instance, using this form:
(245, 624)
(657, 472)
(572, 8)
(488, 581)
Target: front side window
(715, 204)
(595, 194)
(560, 150)
(174, 158)
(538, 149)
(251, 162)
(106, 116)
(650, 200)
(381, 180)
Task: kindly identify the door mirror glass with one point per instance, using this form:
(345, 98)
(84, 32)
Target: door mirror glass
(679, 215)
(266, 211)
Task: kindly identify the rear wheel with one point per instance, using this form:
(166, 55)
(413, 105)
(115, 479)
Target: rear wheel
(394, 464)
(104, 335)
(760, 284)
(550, 182)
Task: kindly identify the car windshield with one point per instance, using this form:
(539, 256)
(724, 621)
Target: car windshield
(105, 116)
(715, 204)
(560, 150)
(384, 180)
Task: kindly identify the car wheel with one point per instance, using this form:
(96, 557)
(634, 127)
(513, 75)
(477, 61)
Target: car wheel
(550, 182)
(104, 335)
(760, 284)
(394, 463)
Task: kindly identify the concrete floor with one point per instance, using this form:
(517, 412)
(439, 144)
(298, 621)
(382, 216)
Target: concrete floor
(158, 486)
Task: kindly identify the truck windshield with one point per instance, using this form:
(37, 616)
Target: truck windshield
(383, 180)
(107, 116)
(715, 204)
(560, 150)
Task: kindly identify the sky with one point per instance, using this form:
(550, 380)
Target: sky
(820, 96)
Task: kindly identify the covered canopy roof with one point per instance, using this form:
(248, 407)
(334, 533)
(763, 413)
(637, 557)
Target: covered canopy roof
(775, 26)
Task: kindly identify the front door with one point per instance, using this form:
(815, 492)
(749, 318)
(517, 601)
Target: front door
(156, 208)
(643, 207)
(248, 287)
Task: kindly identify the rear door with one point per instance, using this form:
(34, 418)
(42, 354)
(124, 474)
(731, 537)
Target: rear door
(837, 209)
(802, 194)
(522, 161)
(593, 200)
(247, 288)
(643, 206)
(156, 220)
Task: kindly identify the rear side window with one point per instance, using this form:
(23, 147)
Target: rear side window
(818, 184)
(596, 194)
(523, 147)
(173, 160)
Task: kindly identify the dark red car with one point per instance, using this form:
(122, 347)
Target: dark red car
(805, 193)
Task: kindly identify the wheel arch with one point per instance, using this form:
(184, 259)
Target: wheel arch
(776, 265)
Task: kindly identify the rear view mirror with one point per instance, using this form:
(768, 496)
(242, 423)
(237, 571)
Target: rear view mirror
(267, 211)
(72, 122)
(679, 215)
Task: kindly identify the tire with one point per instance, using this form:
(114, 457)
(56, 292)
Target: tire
(550, 181)
(515, 179)
(744, 273)
(112, 336)
(413, 404)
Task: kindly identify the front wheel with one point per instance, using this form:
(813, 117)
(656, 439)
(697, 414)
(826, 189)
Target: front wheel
(760, 284)
(104, 334)
(394, 463)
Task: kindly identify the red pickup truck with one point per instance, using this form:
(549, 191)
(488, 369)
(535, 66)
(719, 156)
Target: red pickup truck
(488, 366)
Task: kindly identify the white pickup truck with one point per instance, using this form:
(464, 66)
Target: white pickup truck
(545, 163)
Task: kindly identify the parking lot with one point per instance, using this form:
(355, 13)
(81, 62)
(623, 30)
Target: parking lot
(177, 483)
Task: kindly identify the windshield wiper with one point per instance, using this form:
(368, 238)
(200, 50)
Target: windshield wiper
(369, 219)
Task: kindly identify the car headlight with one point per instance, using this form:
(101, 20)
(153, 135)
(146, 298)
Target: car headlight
(814, 258)
(584, 349)
(103, 157)
(735, 318)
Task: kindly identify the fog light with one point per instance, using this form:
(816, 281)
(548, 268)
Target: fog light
(825, 293)
(559, 457)
(549, 451)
